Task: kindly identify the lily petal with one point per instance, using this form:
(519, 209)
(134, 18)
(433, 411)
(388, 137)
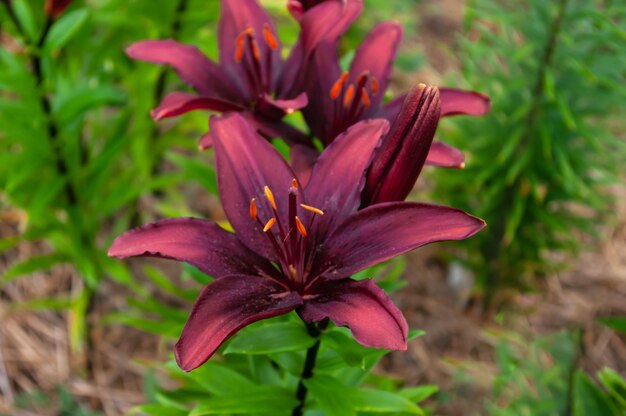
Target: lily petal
(339, 174)
(202, 244)
(275, 109)
(444, 155)
(223, 308)
(177, 103)
(246, 163)
(455, 101)
(376, 55)
(386, 230)
(328, 21)
(399, 161)
(303, 159)
(191, 65)
(361, 306)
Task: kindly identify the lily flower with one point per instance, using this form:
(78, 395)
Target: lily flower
(251, 76)
(339, 99)
(294, 247)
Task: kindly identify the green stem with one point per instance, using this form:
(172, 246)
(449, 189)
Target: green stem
(315, 330)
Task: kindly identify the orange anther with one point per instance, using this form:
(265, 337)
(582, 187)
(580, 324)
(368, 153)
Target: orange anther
(300, 227)
(256, 52)
(253, 211)
(269, 37)
(239, 49)
(347, 99)
(312, 209)
(294, 183)
(336, 89)
(365, 98)
(269, 224)
(375, 86)
(270, 196)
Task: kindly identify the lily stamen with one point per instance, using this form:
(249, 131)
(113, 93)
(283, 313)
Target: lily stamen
(269, 37)
(312, 209)
(253, 210)
(347, 99)
(270, 196)
(300, 227)
(269, 224)
(338, 85)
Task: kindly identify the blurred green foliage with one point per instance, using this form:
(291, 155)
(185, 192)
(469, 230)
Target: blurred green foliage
(540, 166)
(541, 378)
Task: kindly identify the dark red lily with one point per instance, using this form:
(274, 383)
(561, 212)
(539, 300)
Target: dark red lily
(251, 76)
(294, 247)
(339, 99)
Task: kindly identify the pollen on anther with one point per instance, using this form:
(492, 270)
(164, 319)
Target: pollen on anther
(270, 196)
(347, 99)
(253, 211)
(312, 209)
(300, 227)
(336, 89)
(269, 224)
(269, 37)
(294, 183)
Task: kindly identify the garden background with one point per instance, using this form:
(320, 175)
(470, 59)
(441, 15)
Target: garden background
(529, 317)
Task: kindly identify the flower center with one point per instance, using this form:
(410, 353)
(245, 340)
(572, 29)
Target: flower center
(351, 101)
(258, 68)
(288, 240)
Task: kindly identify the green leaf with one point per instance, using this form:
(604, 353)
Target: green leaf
(419, 393)
(377, 401)
(31, 265)
(271, 338)
(257, 400)
(617, 323)
(25, 16)
(332, 397)
(64, 29)
(589, 399)
(218, 379)
(615, 384)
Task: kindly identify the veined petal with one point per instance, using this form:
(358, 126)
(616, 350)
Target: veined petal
(455, 101)
(191, 65)
(328, 21)
(361, 306)
(376, 55)
(224, 307)
(403, 152)
(383, 231)
(246, 164)
(322, 73)
(444, 155)
(339, 174)
(202, 244)
(177, 103)
(303, 159)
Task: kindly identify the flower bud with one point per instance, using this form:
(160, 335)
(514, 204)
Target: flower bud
(399, 161)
